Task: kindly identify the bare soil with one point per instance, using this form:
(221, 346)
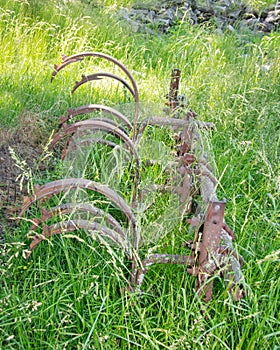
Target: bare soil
(25, 141)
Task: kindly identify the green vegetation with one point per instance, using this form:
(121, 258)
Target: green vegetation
(67, 294)
(260, 5)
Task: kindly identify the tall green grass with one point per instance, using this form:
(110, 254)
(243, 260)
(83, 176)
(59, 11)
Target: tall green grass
(67, 295)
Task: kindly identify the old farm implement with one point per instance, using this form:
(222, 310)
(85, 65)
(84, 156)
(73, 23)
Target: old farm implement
(119, 202)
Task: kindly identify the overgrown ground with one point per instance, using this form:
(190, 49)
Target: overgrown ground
(68, 295)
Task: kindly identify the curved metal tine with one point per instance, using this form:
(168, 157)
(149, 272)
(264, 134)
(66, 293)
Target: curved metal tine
(52, 188)
(71, 208)
(99, 76)
(65, 61)
(72, 146)
(73, 112)
(73, 225)
(110, 121)
(80, 56)
(92, 124)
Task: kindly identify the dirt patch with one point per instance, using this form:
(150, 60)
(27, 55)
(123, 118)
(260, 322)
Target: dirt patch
(25, 141)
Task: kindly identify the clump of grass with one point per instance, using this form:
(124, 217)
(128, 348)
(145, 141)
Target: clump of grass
(261, 5)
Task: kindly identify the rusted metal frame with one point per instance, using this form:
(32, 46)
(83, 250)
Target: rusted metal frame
(80, 56)
(206, 259)
(173, 123)
(212, 251)
(73, 112)
(52, 188)
(186, 164)
(73, 225)
(216, 257)
(219, 258)
(158, 259)
(209, 259)
(73, 208)
(99, 76)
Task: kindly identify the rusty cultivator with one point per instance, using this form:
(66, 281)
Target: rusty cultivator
(117, 201)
